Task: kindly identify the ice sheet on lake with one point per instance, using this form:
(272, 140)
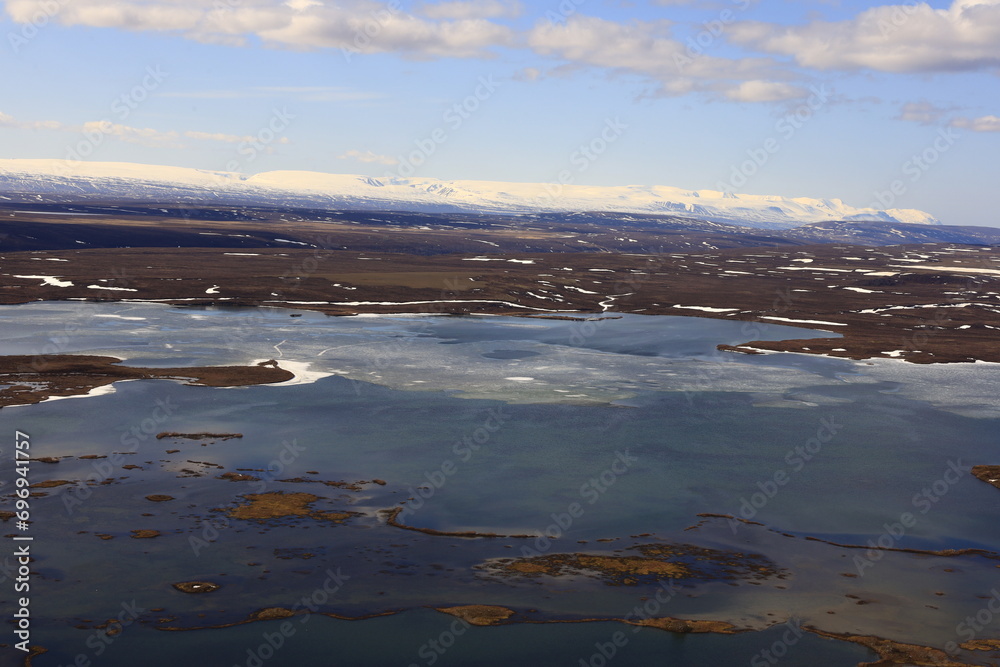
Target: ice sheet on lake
(595, 361)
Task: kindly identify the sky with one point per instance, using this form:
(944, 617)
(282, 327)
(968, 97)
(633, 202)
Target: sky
(882, 105)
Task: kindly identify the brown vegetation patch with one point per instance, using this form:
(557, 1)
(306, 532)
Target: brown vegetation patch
(528, 567)
(479, 614)
(350, 486)
(144, 534)
(238, 477)
(50, 484)
(278, 505)
(894, 653)
(270, 614)
(988, 474)
(687, 626)
(159, 498)
(652, 563)
(639, 566)
(32, 379)
(198, 436)
(274, 505)
(33, 652)
(196, 587)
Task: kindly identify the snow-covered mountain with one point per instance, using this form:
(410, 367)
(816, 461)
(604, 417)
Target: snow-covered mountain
(61, 181)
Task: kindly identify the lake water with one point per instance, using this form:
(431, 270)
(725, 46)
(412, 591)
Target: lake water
(500, 425)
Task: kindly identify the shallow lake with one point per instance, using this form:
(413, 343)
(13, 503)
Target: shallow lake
(590, 436)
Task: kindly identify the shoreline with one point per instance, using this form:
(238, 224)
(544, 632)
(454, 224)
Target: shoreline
(946, 315)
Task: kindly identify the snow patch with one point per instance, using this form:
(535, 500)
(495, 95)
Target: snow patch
(302, 370)
(51, 281)
(786, 319)
(708, 309)
(952, 269)
(120, 289)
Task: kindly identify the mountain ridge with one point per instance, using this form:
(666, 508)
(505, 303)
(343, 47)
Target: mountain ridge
(62, 181)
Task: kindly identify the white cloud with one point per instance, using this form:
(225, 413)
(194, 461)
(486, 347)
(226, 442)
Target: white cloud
(368, 156)
(765, 91)
(470, 9)
(889, 38)
(449, 29)
(6, 120)
(638, 46)
(981, 124)
(399, 33)
(364, 26)
(649, 50)
(302, 5)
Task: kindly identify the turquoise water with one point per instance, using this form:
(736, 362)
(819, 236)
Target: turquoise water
(500, 425)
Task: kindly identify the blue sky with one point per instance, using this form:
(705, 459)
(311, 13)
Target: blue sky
(892, 105)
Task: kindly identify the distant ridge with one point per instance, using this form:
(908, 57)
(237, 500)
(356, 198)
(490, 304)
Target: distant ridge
(61, 181)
